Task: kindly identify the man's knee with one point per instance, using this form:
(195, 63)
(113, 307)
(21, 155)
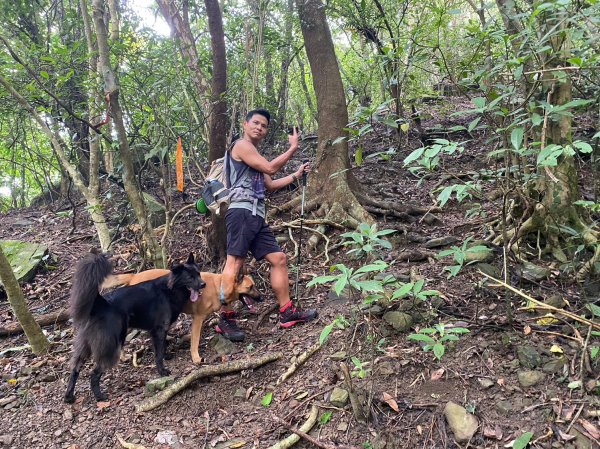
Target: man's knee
(278, 259)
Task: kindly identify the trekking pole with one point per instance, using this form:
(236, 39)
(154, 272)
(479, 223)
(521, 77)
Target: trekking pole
(304, 176)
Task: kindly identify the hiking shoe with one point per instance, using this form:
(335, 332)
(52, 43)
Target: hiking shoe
(228, 328)
(290, 315)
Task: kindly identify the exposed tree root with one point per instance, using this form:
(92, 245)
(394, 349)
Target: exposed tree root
(310, 439)
(401, 210)
(206, 371)
(294, 438)
(42, 320)
(299, 362)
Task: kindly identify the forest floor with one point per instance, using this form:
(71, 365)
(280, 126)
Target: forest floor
(514, 375)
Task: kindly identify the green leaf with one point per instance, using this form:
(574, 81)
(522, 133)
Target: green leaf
(445, 195)
(594, 309)
(516, 138)
(267, 398)
(358, 156)
(404, 127)
(421, 337)
(438, 350)
(523, 441)
(479, 102)
(370, 286)
(402, 291)
(325, 417)
(44, 74)
(473, 124)
(536, 119)
(575, 384)
(339, 285)
(377, 266)
(583, 147)
(416, 154)
(321, 280)
(549, 155)
(325, 334)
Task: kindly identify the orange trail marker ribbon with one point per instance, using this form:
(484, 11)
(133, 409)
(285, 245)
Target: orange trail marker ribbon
(179, 165)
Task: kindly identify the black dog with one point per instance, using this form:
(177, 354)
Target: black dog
(102, 322)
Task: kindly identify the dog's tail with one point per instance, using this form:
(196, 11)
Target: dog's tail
(90, 272)
(117, 280)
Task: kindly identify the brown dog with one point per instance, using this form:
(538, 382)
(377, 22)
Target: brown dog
(219, 290)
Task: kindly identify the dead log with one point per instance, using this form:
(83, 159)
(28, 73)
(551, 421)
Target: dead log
(206, 371)
(43, 320)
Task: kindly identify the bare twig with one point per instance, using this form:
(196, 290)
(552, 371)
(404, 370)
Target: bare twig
(299, 362)
(294, 438)
(310, 439)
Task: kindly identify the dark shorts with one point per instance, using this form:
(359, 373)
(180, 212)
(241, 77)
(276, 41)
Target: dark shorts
(247, 232)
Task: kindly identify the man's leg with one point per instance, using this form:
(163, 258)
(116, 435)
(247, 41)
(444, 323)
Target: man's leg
(288, 314)
(227, 325)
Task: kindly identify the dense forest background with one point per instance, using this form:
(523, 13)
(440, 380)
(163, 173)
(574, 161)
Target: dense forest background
(450, 228)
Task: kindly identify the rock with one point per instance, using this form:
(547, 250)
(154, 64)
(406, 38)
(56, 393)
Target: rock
(155, 385)
(7, 400)
(222, 346)
(156, 211)
(338, 397)
(555, 301)
(375, 310)
(528, 356)
(441, 241)
(504, 407)
(581, 440)
(484, 254)
(489, 269)
(386, 369)
(342, 426)
(24, 257)
(532, 272)
(6, 440)
(485, 382)
(529, 378)
(400, 321)
(463, 424)
(431, 220)
(555, 366)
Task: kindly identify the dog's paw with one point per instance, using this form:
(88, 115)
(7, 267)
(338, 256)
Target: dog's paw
(69, 398)
(101, 397)
(164, 372)
(197, 360)
(169, 355)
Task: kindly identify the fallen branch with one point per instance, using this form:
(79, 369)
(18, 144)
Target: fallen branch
(294, 438)
(540, 305)
(299, 362)
(127, 445)
(206, 371)
(310, 439)
(42, 320)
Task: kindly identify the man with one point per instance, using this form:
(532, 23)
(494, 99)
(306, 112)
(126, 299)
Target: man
(250, 174)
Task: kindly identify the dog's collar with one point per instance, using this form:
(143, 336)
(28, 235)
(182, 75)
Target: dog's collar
(222, 295)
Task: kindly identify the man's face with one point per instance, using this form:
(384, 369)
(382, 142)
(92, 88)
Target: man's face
(256, 128)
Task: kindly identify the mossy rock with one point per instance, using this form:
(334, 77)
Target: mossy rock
(24, 257)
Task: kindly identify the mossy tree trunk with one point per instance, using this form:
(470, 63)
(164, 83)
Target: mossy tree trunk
(38, 341)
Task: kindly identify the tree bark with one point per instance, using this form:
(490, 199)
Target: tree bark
(38, 341)
(111, 88)
(335, 194)
(95, 207)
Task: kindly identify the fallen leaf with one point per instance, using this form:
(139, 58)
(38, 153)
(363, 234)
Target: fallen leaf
(103, 404)
(501, 381)
(492, 432)
(547, 320)
(565, 436)
(527, 329)
(590, 428)
(567, 412)
(301, 395)
(390, 401)
(127, 445)
(437, 374)
(557, 349)
(420, 429)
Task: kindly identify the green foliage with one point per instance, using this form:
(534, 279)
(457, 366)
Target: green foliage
(325, 417)
(435, 337)
(359, 369)
(460, 254)
(340, 322)
(267, 399)
(429, 158)
(353, 278)
(522, 441)
(366, 240)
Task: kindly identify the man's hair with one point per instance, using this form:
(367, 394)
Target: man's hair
(262, 112)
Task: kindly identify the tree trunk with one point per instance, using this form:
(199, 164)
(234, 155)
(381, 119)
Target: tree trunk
(333, 194)
(38, 341)
(111, 88)
(95, 209)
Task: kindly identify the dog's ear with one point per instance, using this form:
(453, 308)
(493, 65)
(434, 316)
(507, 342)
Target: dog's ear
(190, 260)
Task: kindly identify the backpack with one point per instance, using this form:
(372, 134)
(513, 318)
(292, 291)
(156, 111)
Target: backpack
(216, 187)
